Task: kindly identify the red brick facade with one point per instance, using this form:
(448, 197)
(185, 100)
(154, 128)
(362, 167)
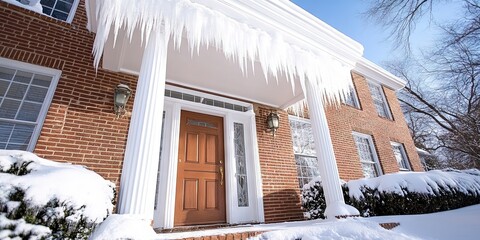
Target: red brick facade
(80, 126)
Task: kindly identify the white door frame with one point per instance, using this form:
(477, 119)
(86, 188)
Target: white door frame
(167, 175)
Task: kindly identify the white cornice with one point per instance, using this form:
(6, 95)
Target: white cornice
(293, 23)
(375, 73)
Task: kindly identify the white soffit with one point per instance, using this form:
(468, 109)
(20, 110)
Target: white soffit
(283, 38)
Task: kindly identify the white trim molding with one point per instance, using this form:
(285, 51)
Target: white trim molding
(379, 75)
(164, 213)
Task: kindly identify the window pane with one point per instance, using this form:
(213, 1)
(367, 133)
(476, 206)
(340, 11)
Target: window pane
(302, 138)
(368, 161)
(5, 131)
(17, 91)
(49, 3)
(23, 77)
(369, 170)
(47, 11)
(42, 80)
(9, 108)
(240, 157)
(29, 111)
(59, 15)
(399, 153)
(36, 94)
(22, 134)
(3, 87)
(14, 146)
(352, 98)
(63, 6)
(6, 73)
(379, 100)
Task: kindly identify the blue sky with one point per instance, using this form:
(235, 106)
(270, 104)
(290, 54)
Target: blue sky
(346, 16)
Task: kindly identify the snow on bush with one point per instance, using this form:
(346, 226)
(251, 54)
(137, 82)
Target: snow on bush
(64, 198)
(125, 226)
(401, 193)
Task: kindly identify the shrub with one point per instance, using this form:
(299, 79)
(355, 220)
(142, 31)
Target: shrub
(41, 199)
(401, 193)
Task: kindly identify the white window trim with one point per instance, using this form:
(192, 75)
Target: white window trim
(385, 102)
(164, 214)
(376, 161)
(55, 74)
(404, 156)
(72, 12)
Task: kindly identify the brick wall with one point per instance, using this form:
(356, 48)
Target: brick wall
(281, 195)
(345, 119)
(80, 126)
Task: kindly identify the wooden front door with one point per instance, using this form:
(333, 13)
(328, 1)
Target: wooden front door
(200, 197)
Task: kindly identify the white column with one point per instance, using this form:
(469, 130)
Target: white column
(326, 158)
(137, 185)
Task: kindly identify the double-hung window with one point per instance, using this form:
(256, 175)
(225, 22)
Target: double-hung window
(25, 94)
(379, 100)
(368, 155)
(304, 150)
(400, 156)
(352, 99)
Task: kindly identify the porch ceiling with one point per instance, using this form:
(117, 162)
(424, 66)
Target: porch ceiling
(208, 70)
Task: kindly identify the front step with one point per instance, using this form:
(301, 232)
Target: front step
(227, 236)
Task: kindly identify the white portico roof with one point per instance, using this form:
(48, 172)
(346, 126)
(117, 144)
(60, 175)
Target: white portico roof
(260, 51)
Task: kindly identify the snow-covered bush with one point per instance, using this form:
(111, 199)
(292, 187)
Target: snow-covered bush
(42, 199)
(401, 193)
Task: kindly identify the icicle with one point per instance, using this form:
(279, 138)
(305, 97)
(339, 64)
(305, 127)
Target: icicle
(241, 43)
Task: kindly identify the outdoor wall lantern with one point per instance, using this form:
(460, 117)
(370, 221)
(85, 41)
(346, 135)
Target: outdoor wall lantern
(120, 98)
(273, 121)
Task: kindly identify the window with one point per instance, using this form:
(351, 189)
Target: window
(304, 150)
(401, 156)
(368, 155)
(25, 94)
(60, 9)
(379, 100)
(241, 164)
(352, 99)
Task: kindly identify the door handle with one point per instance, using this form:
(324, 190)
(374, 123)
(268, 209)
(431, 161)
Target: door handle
(221, 174)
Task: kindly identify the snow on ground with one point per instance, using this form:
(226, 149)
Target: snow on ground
(73, 184)
(124, 226)
(455, 224)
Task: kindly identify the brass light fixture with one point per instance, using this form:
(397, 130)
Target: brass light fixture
(273, 121)
(120, 99)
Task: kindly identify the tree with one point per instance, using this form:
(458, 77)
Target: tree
(442, 98)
